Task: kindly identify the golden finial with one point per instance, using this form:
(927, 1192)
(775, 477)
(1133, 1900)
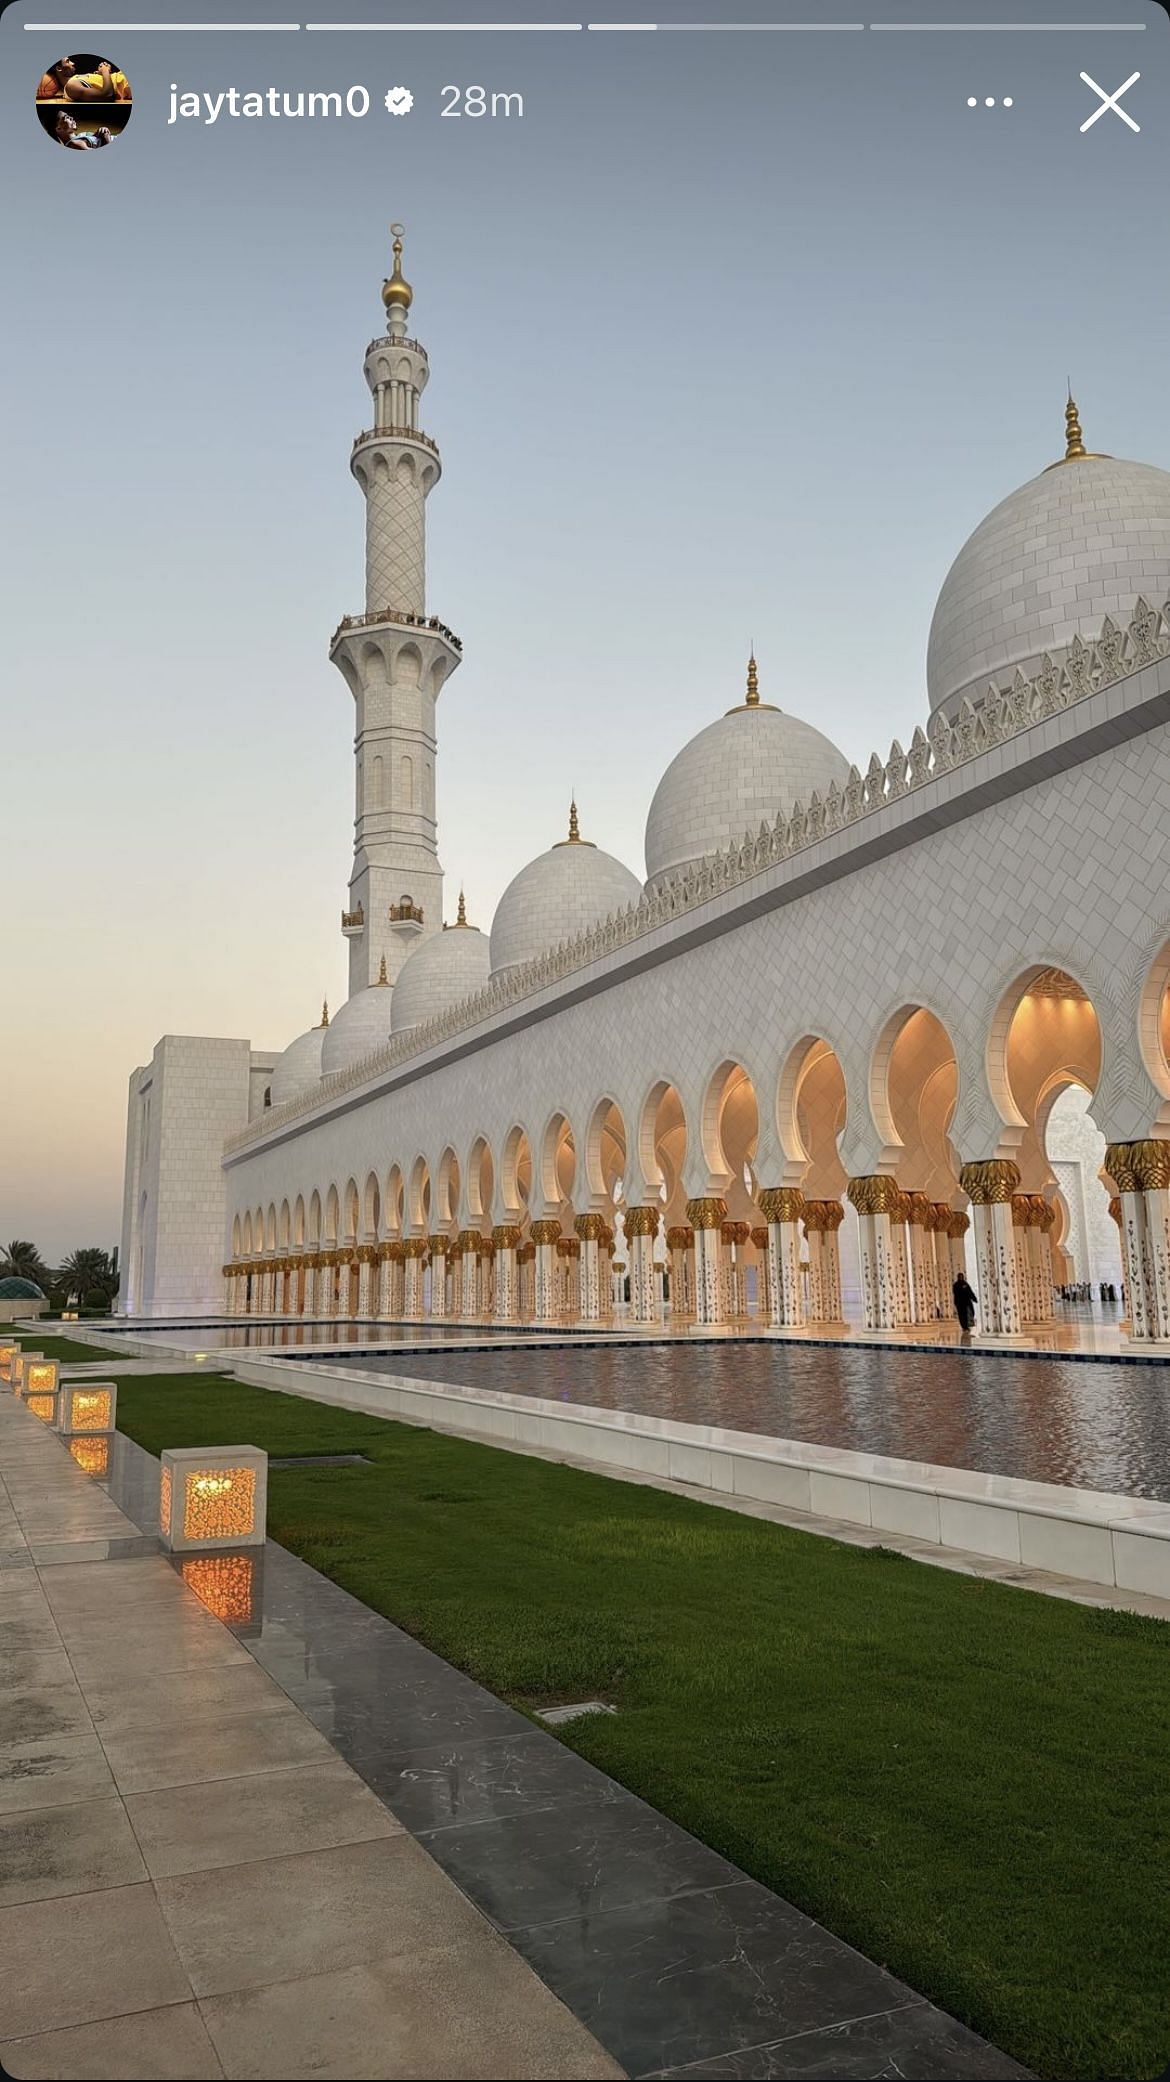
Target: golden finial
(1074, 439)
(324, 1012)
(752, 698)
(396, 291)
(382, 976)
(574, 827)
(461, 914)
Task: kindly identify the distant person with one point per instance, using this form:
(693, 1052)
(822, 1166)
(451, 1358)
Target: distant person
(964, 1294)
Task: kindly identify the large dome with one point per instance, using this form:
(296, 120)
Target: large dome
(299, 1069)
(734, 776)
(559, 894)
(1077, 543)
(441, 972)
(361, 1025)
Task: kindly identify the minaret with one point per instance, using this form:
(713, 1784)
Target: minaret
(394, 659)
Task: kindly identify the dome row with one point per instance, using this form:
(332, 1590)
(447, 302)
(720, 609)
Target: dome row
(1076, 544)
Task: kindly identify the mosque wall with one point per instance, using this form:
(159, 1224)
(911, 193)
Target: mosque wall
(1069, 873)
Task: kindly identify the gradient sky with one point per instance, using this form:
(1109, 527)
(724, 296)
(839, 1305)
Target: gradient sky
(732, 337)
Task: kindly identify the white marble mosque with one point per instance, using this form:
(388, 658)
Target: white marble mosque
(854, 1030)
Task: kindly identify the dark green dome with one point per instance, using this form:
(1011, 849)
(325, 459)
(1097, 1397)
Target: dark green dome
(20, 1290)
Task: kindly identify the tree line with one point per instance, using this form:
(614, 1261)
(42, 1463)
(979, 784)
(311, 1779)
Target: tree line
(87, 1277)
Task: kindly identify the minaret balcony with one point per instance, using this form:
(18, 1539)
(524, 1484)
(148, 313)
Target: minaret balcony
(392, 433)
(400, 619)
(384, 344)
(353, 923)
(406, 917)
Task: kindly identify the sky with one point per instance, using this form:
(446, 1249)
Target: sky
(734, 338)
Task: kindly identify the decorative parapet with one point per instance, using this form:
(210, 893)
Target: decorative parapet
(1004, 713)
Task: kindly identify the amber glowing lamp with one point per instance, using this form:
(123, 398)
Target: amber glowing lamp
(213, 1497)
(86, 1406)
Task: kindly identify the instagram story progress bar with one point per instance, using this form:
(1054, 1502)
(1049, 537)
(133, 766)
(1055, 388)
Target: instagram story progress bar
(591, 28)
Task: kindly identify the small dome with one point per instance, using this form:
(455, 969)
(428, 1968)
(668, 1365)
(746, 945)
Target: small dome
(559, 894)
(441, 971)
(1081, 541)
(396, 290)
(361, 1025)
(735, 775)
(13, 1288)
(299, 1069)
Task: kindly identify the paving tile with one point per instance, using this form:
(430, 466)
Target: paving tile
(38, 1712)
(245, 1925)
(445, 1784)
(476, 2012)
(164, 2045)
(84, 1956)
(66, 1850)
(183, 1698)
(144, 1759)
(583, 1857)
(27, 1667)
(237, 1820)
(128, 1653)
(60, 1771)
(915, 2043)
(667, 1983)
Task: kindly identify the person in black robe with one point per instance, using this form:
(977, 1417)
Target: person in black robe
(964, 1295)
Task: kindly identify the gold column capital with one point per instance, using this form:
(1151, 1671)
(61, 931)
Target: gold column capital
(781, 1203)
(641, 1221)
(706, 1213)
(1151, 1162)
(590, 1227)
(440, 1243)
(547, 1231)
(875, 1193)
(990, 1183)
(506, 1236)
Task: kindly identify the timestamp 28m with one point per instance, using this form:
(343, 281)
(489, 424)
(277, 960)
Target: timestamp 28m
(481, 101)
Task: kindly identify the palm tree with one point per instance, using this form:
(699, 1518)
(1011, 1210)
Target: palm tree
(89, 1270)
(21, 1260)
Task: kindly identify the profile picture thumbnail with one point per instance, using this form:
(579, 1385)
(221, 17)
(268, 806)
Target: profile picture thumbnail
(84, 102)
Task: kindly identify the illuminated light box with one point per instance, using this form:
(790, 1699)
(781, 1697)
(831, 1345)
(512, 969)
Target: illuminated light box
(39, 1376)
(86, 1406)
(214, 1496)
(43, 1405)
(92, 1456)
(16, 1371)
(7, 1355)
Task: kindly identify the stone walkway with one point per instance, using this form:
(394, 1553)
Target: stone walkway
(192, 1881)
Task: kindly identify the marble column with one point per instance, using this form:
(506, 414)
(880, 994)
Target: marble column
(706, 1217)
(900, 1256)
(415, 1250)
(782, 1208)
(1141, 1172)
(878, 1201)
(641, 1229)
(733, 1236)
(680, 1243)
(472, 1297)
(822, 1219)
(365, 1279)
(1042, 1243)
(1021, 1221)
(506, 1238)
(590, 1229)
(545, 1238)
(920, 1234)
(990, 1186)
(763, 1272)
(1150, 1160)
(455, 1259)
(439, 1243)
(526, 1280)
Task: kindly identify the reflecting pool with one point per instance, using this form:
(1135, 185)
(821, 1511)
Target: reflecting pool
(1089, 1424)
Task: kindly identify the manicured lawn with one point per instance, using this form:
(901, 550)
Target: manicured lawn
(970, 1783)
(63, 1348)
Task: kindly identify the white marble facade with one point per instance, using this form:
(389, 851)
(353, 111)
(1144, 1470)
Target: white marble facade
(840, 1015)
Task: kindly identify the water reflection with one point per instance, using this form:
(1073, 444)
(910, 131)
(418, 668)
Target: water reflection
(1091, 1425)
(200, 1338)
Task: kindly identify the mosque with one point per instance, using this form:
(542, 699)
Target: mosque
(854, 1031)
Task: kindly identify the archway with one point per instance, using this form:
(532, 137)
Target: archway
(730, 1133)
(913, 1087)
